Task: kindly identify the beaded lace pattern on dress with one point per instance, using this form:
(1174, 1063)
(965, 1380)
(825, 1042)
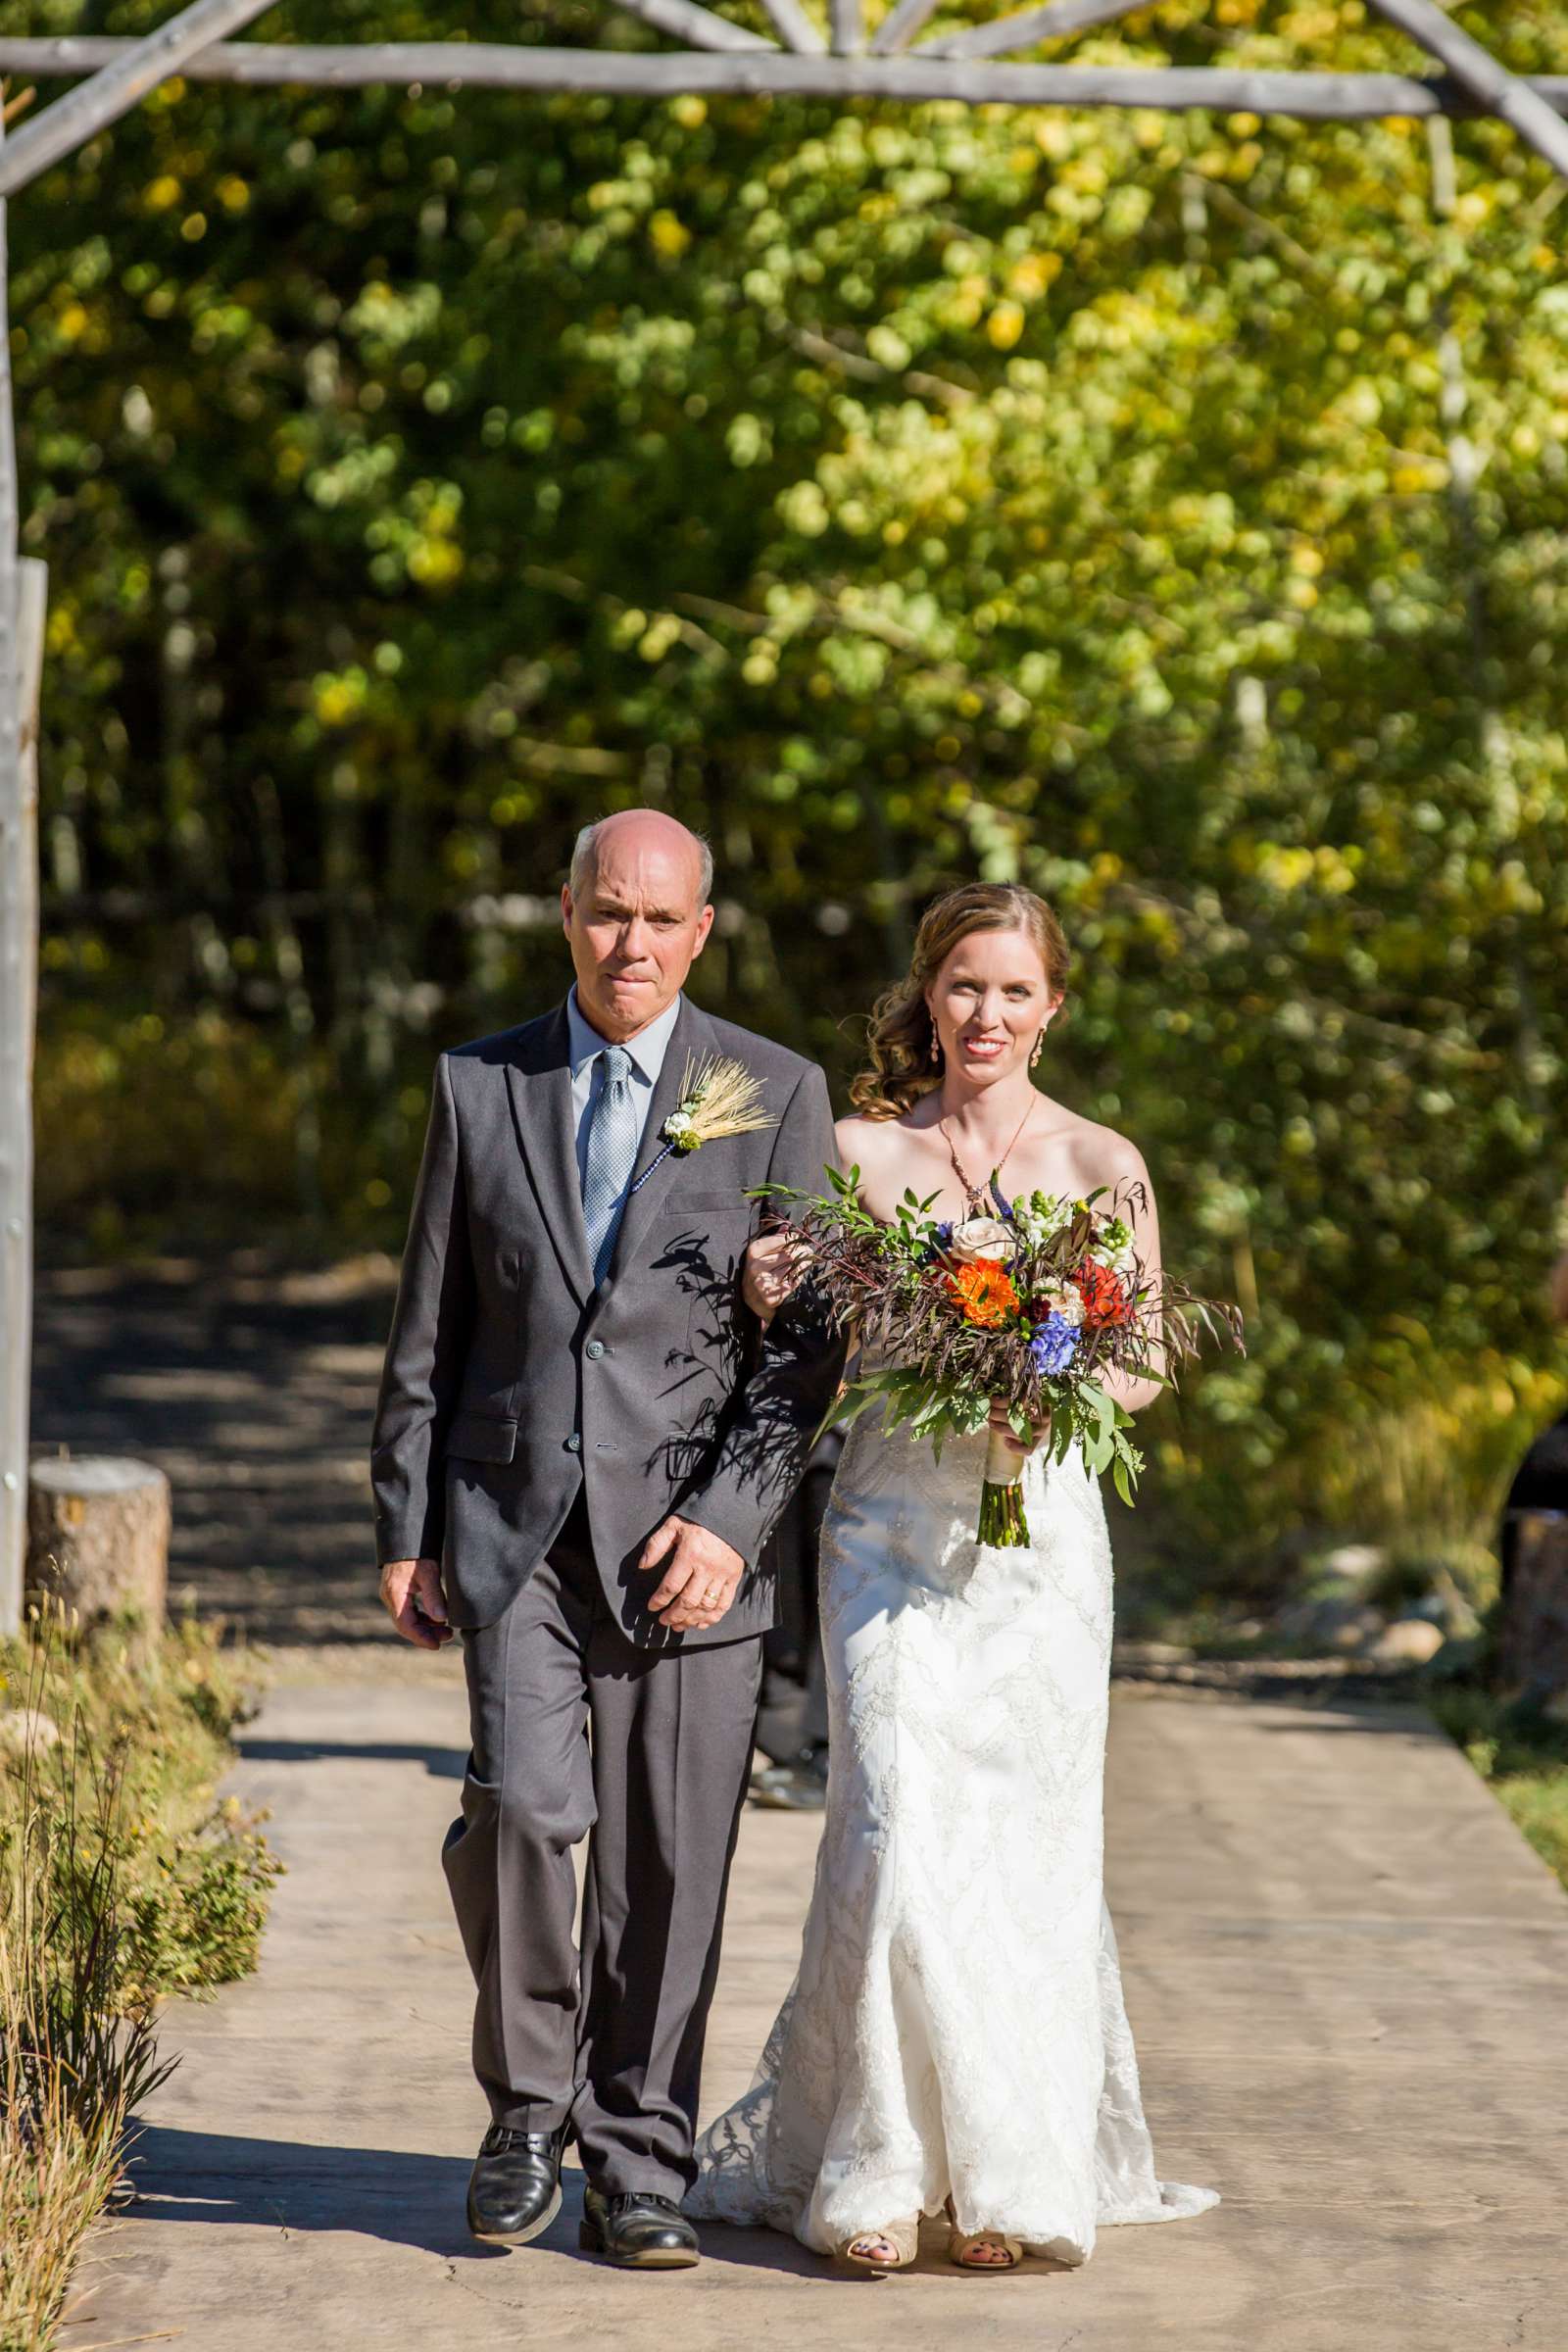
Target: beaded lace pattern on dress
(957, 2024)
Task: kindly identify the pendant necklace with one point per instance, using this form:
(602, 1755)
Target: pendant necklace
(974, 1195)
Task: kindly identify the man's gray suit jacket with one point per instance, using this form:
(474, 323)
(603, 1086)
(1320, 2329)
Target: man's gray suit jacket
(510, 1382)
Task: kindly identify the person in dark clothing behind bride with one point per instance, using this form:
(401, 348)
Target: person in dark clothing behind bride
(1540, 1487)
(792, 1728)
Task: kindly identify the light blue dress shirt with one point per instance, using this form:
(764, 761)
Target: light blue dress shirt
(584, 1045)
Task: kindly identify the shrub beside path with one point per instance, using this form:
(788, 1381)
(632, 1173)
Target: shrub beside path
(1346, 1971)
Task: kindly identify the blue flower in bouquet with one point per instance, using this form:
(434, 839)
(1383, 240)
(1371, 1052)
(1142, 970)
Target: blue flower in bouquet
(941, 1236)
(1054, 1346)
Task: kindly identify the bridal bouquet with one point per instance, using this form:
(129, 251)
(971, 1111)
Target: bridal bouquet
(1029, 1308)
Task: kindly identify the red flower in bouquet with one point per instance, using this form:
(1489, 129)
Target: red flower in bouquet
(1105, 1300)
(984, 1290)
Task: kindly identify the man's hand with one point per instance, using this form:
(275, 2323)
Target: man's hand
(415, 1601)
(701, 1575)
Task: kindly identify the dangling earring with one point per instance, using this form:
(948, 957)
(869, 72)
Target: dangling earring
(1039, 1044)
(936, 1047)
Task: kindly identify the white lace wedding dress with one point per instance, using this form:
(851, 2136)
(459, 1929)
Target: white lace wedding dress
(957, 2024)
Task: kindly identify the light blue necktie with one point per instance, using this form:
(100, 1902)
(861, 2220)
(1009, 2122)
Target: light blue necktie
(613, 1140)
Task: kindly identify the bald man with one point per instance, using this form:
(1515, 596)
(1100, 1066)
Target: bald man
(581, 1443)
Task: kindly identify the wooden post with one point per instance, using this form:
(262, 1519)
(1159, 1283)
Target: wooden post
(19, 1012)
(98, 1530)
(23, 596)
(99, 1539)
(17, 946)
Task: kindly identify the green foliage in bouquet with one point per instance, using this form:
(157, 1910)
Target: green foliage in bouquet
(1029, 1309)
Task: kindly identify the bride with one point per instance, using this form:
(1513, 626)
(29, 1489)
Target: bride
(956, 2039)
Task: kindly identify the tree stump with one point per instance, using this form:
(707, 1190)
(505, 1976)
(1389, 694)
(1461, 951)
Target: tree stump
(98, 1537)
(1532, 1639)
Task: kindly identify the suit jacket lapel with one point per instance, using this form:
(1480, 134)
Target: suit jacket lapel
(690, 1040)
(540, 1085)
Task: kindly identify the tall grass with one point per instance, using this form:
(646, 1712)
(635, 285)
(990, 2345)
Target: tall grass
(110, 1844)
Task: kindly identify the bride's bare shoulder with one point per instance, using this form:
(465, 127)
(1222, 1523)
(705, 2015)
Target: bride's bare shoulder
(1101, 1155)
(867, 1143)
(1114, 1149)
(1089, 1151)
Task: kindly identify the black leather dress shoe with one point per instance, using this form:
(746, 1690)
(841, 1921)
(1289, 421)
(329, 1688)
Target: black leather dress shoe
(514, 2187)
(639, 2232)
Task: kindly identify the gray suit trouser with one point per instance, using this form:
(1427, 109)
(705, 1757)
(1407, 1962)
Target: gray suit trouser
(578, 1733)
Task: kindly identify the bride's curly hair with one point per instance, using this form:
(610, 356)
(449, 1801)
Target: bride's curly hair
(901, 1033)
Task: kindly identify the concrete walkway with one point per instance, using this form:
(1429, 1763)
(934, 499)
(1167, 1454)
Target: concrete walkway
(1347, 1975)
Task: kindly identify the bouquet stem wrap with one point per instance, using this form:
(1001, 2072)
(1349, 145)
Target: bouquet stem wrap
(1002, 1516)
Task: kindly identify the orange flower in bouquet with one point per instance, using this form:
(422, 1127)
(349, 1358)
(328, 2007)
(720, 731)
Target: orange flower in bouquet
(984, 1290)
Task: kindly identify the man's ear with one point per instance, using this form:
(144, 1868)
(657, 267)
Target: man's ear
(565, 908)
(704, 924)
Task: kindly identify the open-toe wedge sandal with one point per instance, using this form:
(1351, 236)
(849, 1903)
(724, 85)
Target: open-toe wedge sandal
(903, 2237)
(961, 2242)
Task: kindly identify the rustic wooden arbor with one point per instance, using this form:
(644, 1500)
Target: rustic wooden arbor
(846, 59)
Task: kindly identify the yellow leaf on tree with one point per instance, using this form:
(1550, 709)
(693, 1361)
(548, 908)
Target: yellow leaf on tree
(1004, 325)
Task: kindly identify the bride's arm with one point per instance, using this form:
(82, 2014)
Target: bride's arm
(1143, 1218)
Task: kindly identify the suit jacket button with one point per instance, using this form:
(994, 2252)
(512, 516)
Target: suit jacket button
(574, 1444)
(595, 1347)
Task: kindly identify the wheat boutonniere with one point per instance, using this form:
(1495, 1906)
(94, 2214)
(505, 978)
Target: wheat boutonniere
(718, 1098)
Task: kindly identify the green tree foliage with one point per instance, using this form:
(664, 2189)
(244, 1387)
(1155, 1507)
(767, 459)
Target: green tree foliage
(1167, 511)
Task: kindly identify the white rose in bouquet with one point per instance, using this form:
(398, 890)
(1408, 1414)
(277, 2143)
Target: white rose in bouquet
(976, 1238)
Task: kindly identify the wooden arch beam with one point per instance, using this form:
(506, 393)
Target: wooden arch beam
(795, 28)
(1494, 88)
(776, 72)
(1053, 22)
(702, 28)
(117, 86)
